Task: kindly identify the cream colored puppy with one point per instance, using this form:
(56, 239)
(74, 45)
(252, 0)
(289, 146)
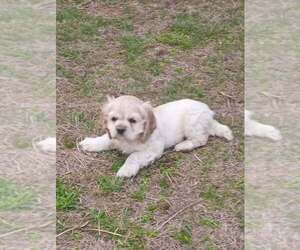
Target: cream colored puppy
(137, 129)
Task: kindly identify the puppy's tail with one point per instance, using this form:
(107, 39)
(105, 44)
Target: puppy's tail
(218, 129)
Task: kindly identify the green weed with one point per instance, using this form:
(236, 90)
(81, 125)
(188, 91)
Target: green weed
(67, 196)
(184, 235)
(14, 197)
(208, 222)
(140, 194)
(109, 184)
(134, 47)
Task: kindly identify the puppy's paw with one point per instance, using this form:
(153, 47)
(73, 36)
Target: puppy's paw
(128, 170)
(228, 134)
(273, 133)
(47, 145)
(90, 144)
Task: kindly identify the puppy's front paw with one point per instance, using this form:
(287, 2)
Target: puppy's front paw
(128, 170)
(47, 145)
(90, 144)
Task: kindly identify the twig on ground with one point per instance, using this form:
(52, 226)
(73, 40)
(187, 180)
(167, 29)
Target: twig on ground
(226, 95)
(73, 228)
(271, 95)
(197, 157)
(104, 231)
(78, 159)
(174, 215)
(26, 229)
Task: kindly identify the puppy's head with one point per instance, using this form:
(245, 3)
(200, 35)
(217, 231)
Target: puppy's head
(129, 119)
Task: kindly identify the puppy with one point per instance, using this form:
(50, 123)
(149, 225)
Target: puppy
(137, 129)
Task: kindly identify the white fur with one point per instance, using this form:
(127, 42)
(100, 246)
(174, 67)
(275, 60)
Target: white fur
(185, 124)
(47, 145)
(254, 128)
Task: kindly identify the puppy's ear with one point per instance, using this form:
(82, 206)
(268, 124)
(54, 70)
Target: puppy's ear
(104, 111)
(106, 104)
(150, 124)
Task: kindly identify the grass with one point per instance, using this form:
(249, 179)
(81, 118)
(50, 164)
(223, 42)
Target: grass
(15, 197)
(78, 25)
(109, 184)
(134, 46)
(186, 87)
(184, 235)
(128, 235)
(141, 49)
(69, 143)
(22, 142)
(213, 196)
(188, 32)
(106, 221)
(67, 196)
(176, 39)
(117, 165)
(140, 194)
(80, 119)
(208, 222)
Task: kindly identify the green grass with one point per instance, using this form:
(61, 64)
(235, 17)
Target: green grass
(134, 46)
(67, 196)
(164, 184)
(188, 31)
(186, 87)
(22, 142)
(147, 217)
(208, 222)
(79, 119)
(213, 196)
(132, 235)
(14, 197)
(110, 184)
(87, 88)
(176, 39)
(152, 66)
(70, 54)
(106, 221)
(184, 235)
(76, 24)
(69, 142)
(117, 165)
(140, 194)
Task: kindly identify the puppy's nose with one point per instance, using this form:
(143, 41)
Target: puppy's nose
(121, 131)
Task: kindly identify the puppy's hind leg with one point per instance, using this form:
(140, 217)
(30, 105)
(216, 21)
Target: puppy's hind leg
(195, 139)
(188, 145)
(195, 131)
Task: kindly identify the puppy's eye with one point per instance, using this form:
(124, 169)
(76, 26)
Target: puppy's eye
(114, 118)
(131, 120)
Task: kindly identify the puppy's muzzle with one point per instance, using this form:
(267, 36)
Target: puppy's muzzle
(121, 131)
